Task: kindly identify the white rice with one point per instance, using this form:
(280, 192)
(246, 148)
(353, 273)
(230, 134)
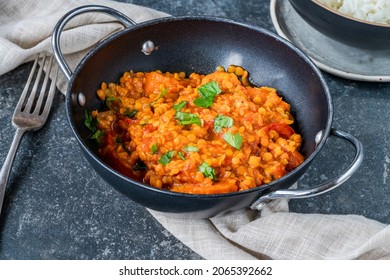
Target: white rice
(371, 10)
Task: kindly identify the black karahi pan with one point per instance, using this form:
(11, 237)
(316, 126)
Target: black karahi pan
(200, 44)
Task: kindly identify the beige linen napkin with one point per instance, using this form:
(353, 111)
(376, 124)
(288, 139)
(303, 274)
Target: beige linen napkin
(273, 233)
(26, 29)
(276, 233)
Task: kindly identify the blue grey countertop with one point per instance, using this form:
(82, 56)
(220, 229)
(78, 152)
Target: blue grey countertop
(57, 207)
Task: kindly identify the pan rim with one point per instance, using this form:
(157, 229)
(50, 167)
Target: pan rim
(212, 19)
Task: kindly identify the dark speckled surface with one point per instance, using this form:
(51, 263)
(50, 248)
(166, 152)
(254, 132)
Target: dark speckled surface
(57, 207)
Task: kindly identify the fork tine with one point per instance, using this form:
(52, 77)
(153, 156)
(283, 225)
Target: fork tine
(23, 96)
(43, 94)
(52, 90)
(31, 98)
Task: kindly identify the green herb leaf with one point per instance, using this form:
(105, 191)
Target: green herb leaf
(90, 122)
(190, 148)
(179, 106)
(234, 140)
(180, 154)
(207, 93)
(222, 121)
(163, 92)
(211, 88)
(97, 135)
(207, 171)
(139, 166)
(154, 149)
(185, 118)
(144, 122)
(113, 103)
(203, 102)
(166, 158)
(130, 113)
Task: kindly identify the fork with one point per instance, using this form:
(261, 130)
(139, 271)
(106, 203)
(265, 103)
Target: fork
(31, 112)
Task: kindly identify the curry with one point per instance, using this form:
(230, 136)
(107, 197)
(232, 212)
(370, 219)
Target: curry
(197, 134)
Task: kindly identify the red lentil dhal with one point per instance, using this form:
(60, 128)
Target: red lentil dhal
(199, 134)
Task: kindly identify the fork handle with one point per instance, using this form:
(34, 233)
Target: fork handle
(9, 160)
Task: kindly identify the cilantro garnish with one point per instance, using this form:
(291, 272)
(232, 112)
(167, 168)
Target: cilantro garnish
(180, 154)
(177, 107)
(234, 140)
(207, 171)
(113, 103)
(97, 135)
(207, 93)
(222, 121)
(139, 166)
(190, 148)
(185, 118)
(154, 149)
(130, 113)
(144, 122)
(163, 93)
(166, 158)
(90, 122)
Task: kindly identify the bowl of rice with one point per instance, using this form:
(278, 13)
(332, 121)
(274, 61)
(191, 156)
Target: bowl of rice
(358, 23)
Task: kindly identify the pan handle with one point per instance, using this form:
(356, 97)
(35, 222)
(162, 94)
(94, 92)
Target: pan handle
(55, 40)
(324, 187)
